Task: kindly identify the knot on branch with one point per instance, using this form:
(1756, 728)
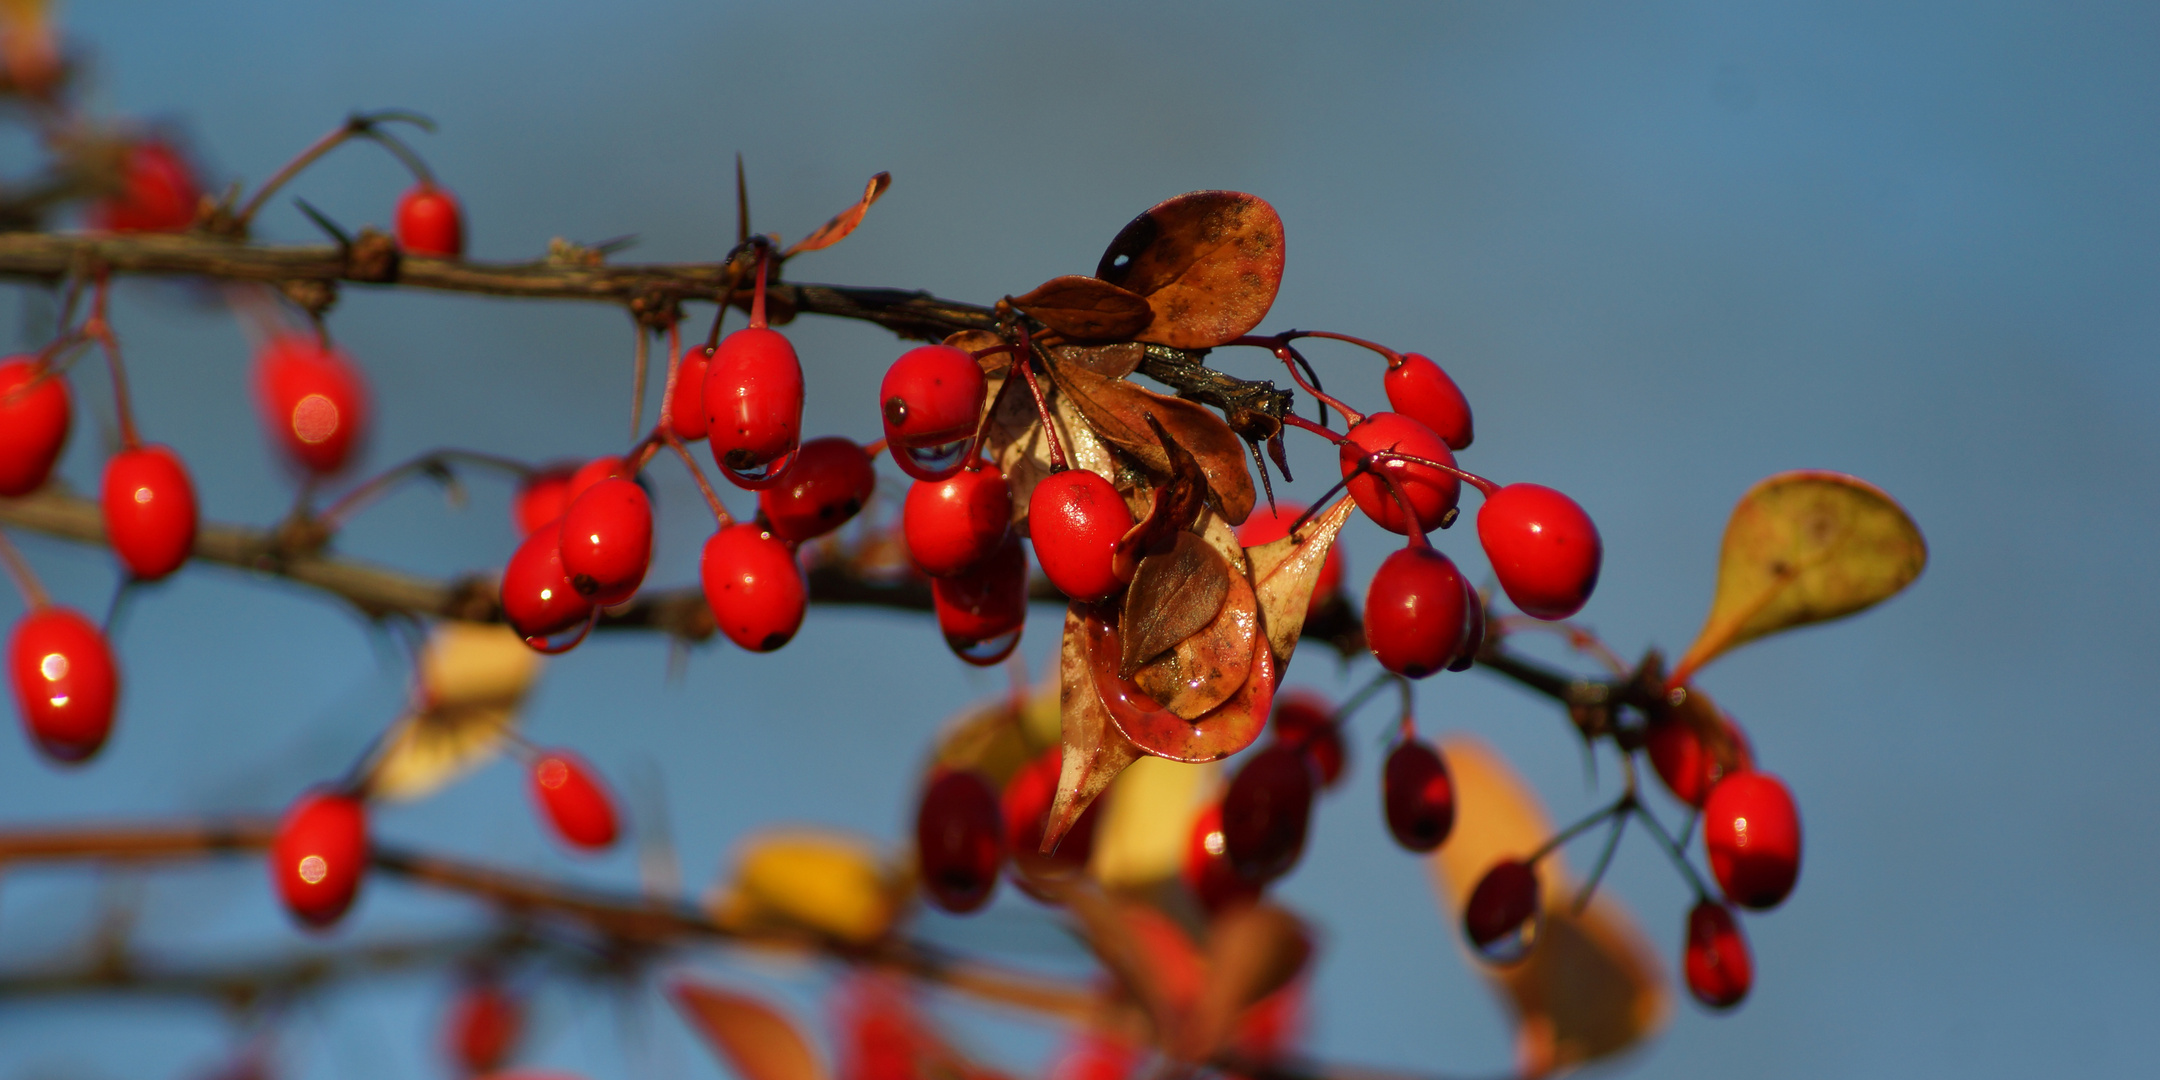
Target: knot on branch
(316, 296)
(373, 257)
(656, 308)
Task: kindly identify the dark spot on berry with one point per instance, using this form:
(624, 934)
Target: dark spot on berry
(896, 410)
(741, 459)
(584, 584)
(771, 642)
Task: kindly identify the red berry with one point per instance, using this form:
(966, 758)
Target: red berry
(66, 682)
(1026, 805)
(754, 587)
(1306, 721)
(932, 398)
(1076, 519)
(1207, 871)
(541, 498)
(686, 407)
(1268, 525)
(576, 803)
(429, 222)
(753, 406)
(1416, 612)
(607, 541)
(149, 507)
(1751, 829)
(484, 1027)
(1473, 640)
(1418, 796)
(954, 523)
(1689, 768)
(1719, 971)
(34, 416)
(1265, 813)
(1432, 492)
(1501, 919)
(538, 598)
(1543, 548)
(157, 192)
(1420, 390)
(829, 484)
(313, 401)
(958, 834)
(319, 856)
(592, 472)
(982, 611)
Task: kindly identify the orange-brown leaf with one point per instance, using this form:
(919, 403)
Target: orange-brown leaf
(1117, 411)
(1201, 671)
(843, 223)
(1252, 951)
(754, 1038)
(1087, 309)
(1113, 361)
(1095, 750)
(1208, 262)
(1285, 571)
(1152, 727)
(1174, 595)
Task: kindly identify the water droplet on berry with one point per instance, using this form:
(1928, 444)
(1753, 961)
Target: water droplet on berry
(754, 477)
(936, 462)
(1501, 919)
(986, 652)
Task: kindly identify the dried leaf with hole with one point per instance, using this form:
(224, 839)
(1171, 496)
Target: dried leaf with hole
(1174, 594)
(1591, 986)
(1087, 309)
(1095, 750)
(843, 223)
(819, 882)
(1253, 950)
(1208, 262)
(1805, 547)
(1286, 571)
(1118, 410)
(754, 1038)
(472, 678)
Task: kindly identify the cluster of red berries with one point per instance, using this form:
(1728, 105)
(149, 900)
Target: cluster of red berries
(967, 831)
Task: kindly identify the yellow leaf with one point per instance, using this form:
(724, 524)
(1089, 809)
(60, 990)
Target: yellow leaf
(1591, 986)
(754, 1037)
(831, 885)
(472, 679)
(1804, 547)
(1146, 823)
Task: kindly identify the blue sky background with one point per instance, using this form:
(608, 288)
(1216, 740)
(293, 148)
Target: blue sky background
(1667, 249)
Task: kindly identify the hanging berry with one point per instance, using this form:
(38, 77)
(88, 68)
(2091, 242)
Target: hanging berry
(319, 856)
(982, 611)
(607, 541)
(1417, 795)
(1543, 548)
(66, 682)
(574, 801)
(958, 834)
(1265, 813)
(430, 222)
(1430, 491)
(1075, 519)
(149, 511)
(1719, 971)
(931, 398)
(1501, 920)
(34, 417)
(828, 486)
(313, 400)
(1751, 830)
(1420, 390)
(753, 406)
(157, 192)
(954, 523)
(538, 599)
(753, 586)
(1416, 612)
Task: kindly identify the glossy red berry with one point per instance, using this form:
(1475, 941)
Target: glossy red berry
(1265, 813)
(66, 682)
(1026, 807)
(149, 510)
(592, 472)
(158, 192)
(1075, 519)
(538, 598)
(1501, 919)
(34, 418)
(430, 222)
(829, 484)
(1306, 720)
(1688, 767)
(541, 498)
(954, 523)
(484, 1026)
(755, 589)
(959, 840)
(931, 398)
(982, 612)
(1420, 390)
(753, 406)
(686, 407)
(1751, 830)
(575, 802)
(1267, 525)
(1207, 870)
(1543, 548)
(314, 403)
(1432, 492)
(607, 541)
(1719, 971)
(1416, 612)
(1417, 795)
(319, 856)
(1473, 641)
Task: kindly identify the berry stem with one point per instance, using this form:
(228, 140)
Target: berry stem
(1605, 857)
(638, 363)
(1623, 805)
(1484, 486)
(1292, 359)
(26, 581)
(355, 126)
(667, 388)
(434, 463)
(1302, 424)
(1394, 359)
(1024, 359)
(712, 498)
(1410, 519)
(99, 330)
(975, 460)
(757, 299)
(1578, 638)
(1672, 849)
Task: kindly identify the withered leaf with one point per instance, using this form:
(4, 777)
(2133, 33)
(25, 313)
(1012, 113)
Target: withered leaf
(1148, 954)
(1117, 411)
(1253, 950)
(472, 678)
(1805, 547)
(1203, 669)
(752, 1036)
(1285, 571)
(1174, 595)
(1087, 309)
(1208, 262)
(1109, 361)
(801, 880)
(1591, 986)
(1095, 750)
(843, 223)
(1173, 506)
(1149, 725)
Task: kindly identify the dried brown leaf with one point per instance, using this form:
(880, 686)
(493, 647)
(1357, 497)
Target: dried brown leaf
(1174, 595)
(1253, 950)
(843, 223)
(1087, 309)
(753, 1037)
(1109, 361)
(1095, 750)
(1202, 670)
(1118, 410)
(1149, 724)
(1173, 506)
(1285, 571)
(1152, 960)
(1208, 262)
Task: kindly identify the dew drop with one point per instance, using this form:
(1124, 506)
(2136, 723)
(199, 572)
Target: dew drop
(1512, 946)
(761, 476)
(934, 463)
(986, 652)
(563, 641)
